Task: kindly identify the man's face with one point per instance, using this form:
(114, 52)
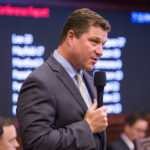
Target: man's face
(87, 49)
(138, 130)
(8, 140)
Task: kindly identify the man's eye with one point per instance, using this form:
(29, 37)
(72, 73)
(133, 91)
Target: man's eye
(94, 41)
(11, 140)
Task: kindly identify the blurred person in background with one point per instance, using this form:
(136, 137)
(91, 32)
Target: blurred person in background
(7, 134)
(136, 126)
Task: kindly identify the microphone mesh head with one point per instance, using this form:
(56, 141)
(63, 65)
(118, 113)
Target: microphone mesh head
(100, 78)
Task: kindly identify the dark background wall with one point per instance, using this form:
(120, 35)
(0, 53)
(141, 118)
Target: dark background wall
(100, 4)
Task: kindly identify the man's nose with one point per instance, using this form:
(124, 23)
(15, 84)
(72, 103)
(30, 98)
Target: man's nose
(16, 144)
(99, 50)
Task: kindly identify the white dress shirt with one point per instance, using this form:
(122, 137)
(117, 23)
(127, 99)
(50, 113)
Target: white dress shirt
(128, 141)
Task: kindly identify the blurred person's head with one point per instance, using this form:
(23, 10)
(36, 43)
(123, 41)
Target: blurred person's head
(136, 125)
(7, 134)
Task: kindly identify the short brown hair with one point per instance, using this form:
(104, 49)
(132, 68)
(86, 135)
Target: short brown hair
(4, 121)
(134, 116)
(80, 20)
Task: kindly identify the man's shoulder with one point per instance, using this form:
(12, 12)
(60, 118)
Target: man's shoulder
(118, 144)
(41, 70)
(118, 141)
(45, 69)
(42, 73)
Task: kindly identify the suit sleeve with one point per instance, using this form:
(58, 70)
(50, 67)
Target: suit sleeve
(36, 113)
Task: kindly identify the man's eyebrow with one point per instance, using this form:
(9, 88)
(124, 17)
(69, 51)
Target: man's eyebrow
(94, 38)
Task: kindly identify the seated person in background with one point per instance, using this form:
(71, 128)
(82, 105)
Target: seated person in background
(135, 127)
(7, 135)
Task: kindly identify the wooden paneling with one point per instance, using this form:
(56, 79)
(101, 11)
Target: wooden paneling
(115, 127)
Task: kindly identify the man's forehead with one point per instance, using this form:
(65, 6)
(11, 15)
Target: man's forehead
(9, 129)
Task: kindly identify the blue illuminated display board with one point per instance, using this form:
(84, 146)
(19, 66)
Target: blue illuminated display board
(27, 41)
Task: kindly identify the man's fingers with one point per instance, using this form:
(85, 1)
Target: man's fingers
(94, 105)
(103, 108)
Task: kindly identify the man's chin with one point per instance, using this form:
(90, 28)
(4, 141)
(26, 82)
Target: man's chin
(89, 68)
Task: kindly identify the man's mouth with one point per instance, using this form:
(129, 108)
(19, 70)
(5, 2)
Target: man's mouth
(95, 60)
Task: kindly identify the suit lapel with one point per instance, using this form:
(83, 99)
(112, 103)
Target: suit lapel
(64, 77)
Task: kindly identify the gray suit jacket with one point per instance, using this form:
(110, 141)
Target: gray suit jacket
(51, 110)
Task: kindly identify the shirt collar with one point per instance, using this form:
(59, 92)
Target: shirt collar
(128, 141)
(66, 64)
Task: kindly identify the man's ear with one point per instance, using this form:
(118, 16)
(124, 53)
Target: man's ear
(127, 128)
(70, 37)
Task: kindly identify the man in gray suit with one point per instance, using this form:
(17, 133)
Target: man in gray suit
(53, 113)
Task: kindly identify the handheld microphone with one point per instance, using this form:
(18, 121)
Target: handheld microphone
(100, 82)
